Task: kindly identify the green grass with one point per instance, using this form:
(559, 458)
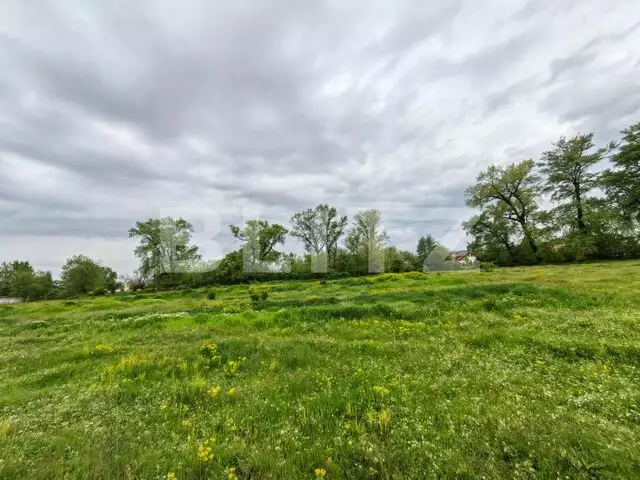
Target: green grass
(516, 373)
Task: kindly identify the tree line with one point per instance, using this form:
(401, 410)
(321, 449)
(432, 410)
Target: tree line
(591, 212)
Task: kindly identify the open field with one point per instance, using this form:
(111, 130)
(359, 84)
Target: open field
(516, 373)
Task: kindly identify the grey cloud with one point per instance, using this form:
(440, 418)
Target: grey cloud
(194, 107)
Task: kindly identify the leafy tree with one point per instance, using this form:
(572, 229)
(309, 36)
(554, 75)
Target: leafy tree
(399, 260)
(18, 279)
(493, 235)
(567, 167)
(164, 247)
(513, 190)
(622, 183)
(111, 283)
(230, 268)
(81, 275)
(319, 229)
(366, 239)
(424, 248)
(260, 239)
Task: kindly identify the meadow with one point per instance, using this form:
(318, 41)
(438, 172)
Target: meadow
(517, 373)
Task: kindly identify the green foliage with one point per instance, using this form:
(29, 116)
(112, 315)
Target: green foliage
(365, 242)
(211, 294)
(164, 248)
(511, 229)
(487, 266)
(568, 175)
(18, 279)
(512, 192)
(260, 239)
(529, 373)
(82, 275)
(425, 246)
(622, 183)
(318, 229)
(259, 293)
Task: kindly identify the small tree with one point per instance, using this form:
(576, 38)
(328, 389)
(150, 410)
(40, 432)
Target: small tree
(82, 275)
(424, 248)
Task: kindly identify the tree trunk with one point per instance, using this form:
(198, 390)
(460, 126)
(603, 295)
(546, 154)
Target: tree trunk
(582, 226)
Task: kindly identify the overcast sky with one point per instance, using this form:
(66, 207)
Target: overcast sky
(115, 111)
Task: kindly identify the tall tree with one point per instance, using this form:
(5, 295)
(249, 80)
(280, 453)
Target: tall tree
(164, 246)
(319, 228)
(567, 167)
(493, 235)
(424, 248)
(367, 239)
(514, 189)
(622, 183)
(260, 239)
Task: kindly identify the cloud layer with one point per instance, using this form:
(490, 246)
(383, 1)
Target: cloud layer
(112, 112)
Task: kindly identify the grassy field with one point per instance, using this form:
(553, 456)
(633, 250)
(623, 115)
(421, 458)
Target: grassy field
(516, 373)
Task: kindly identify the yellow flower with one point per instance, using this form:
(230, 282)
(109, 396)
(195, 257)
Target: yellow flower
(231, 392)
(171, 476)
(384, 417)
(320, 472)
(214, 391)
(102, 348)
(205, 451)
(380, 391)
(231, 473)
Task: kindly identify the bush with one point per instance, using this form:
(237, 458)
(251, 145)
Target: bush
(487, 266)
(211, 294)
(99, 292)
(259, 293)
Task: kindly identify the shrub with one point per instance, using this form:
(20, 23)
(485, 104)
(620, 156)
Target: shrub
(259, 293)
(487, 266)
(99, 292)
(136, 283)
(211, 294)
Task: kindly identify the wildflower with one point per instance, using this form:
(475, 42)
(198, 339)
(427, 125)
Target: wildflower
(205, 452)
(232, 366)
(171, 476)
(320, 472)
(208, 349)
(231, 392)
(380, 391)
(214, 391)
(101, 348)
(231, 473)
(384, 418)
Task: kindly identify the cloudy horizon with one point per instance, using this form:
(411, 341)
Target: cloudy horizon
(113, 112)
